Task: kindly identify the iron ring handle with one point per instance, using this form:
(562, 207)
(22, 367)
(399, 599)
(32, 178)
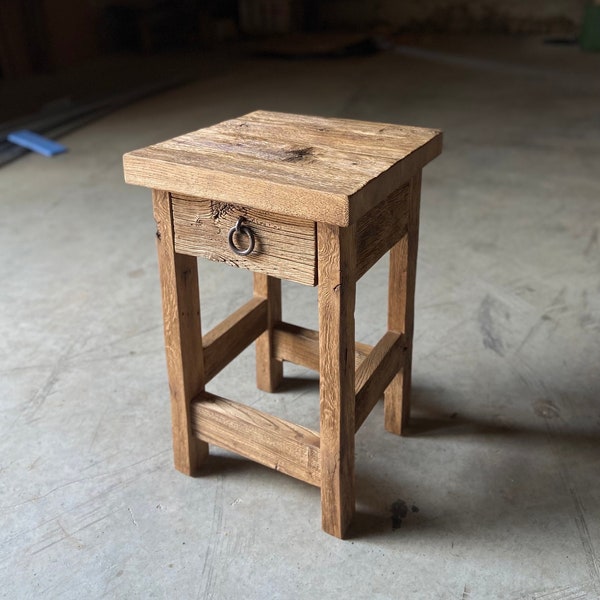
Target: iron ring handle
(244, 229)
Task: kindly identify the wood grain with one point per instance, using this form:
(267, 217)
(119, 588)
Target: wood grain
(375, 374)
(183, 337)
(266, 439)
(401, 306)
(285, 246)
(325, 199)
(336, 294)
(321, 170)
(233, 335)
(381, 228)
(269, 369)
(375, 366)
(300, 346)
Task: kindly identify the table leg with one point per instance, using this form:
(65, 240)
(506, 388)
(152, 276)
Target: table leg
(401, 306)
(337, 288)
(183, 336)
(269, 370)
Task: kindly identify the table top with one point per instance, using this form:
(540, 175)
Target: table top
(321, 169)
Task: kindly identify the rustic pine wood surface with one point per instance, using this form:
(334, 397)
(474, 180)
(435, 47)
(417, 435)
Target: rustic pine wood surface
(269, 369)
(301, 346)
(401, 311)
(230, 337)
(342, 156)
(337, 296)
(376, 372)
(320, 169)
(379, 229)
(183, 338)
(269, 440)
(285, 246)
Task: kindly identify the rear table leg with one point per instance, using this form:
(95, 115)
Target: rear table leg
(269, 370)
(401, 306)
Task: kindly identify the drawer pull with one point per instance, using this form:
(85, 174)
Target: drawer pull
(239, 228)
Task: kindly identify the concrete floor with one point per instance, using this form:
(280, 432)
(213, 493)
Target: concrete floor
(500, 474)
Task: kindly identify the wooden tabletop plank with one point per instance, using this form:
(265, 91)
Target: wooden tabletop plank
(239, 165)
(164, 173)
(340, 127)
(316, 158)
(319, 172)
(378, 146)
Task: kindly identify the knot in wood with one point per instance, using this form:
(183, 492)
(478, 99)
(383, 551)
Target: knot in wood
(218, 210)
(298, 154)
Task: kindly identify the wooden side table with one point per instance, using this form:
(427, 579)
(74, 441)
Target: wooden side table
(317, 201)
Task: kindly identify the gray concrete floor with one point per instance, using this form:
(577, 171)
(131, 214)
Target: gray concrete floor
(500, 473)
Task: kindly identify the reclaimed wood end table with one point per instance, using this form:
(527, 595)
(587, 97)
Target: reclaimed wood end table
(312, 200)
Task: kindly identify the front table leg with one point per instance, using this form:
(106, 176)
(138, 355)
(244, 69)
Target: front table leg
(337, 288)
(183, 336)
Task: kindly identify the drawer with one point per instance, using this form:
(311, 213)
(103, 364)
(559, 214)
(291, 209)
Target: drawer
(284, 247)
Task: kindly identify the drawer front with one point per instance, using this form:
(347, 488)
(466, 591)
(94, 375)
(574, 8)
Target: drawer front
(284, 247)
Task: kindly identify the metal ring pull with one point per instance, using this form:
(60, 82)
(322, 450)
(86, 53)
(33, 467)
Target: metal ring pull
(243, 229)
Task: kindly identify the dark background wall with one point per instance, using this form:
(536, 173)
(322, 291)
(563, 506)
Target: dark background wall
(42, 35)
(514, 16)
